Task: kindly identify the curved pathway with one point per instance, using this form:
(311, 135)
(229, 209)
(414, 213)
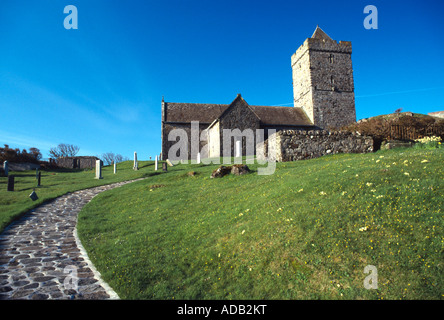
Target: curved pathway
(42, 258)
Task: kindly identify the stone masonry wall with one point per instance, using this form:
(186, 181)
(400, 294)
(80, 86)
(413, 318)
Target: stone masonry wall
(77, 162)
(166, 145)
(238, 116)
(292, 145)
(323, 82)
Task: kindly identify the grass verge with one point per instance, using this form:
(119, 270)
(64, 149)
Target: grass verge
(305, 232)
(56, 183)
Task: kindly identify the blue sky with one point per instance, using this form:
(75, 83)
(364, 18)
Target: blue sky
(100, 87)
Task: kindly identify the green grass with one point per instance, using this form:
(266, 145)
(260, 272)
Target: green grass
(305, 232)
(56, 183)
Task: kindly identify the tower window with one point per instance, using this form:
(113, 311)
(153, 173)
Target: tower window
(332, 80)
(331, 58)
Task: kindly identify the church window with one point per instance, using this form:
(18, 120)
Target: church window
(332, 58)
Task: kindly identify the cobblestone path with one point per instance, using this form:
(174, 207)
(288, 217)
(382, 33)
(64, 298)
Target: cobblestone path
(40, 253)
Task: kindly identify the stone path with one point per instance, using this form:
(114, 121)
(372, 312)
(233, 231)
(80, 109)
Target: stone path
(40, 254)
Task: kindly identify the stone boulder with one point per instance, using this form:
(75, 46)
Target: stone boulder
(220, 172)
(239, 169)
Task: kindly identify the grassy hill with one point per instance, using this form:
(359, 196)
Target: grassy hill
(305, 232)
(55, 183)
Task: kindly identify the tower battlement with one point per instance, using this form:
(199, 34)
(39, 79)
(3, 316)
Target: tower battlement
(323, 80)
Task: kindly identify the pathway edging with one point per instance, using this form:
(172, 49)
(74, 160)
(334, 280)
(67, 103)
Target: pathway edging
(41, 253)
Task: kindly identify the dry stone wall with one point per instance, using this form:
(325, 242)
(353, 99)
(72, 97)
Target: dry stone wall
(292, 145)
(77, 162)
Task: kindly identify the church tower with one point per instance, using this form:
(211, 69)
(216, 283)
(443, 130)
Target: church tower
(323, 81)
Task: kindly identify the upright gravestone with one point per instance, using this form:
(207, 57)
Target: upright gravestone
(99, 169)
(198, 158)
(164, 167)
(6, 167)
(33, 195)
(115, 168)
(135, 160)
(155, 164)
(238, 149)
(10, 183)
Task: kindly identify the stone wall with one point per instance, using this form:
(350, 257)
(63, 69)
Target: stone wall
(186, 127)
(292, 145)
(323, 82)
(77, 162)
(241, 122)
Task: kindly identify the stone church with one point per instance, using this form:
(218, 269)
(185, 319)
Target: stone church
(323, 95)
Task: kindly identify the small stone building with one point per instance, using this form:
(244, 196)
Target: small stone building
(323, 93)
(82, 162)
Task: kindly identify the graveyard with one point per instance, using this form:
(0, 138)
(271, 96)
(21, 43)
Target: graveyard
(305, 232)
(54, 183)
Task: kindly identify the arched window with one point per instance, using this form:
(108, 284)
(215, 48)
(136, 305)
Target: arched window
(331, 58)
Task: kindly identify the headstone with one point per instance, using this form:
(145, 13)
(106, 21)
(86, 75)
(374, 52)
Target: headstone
(169, 163)
(155, 164)
(10, 183)
(39, 177)
(136, 167)
(115, 168)
(33, 196)
(238, 152)
(198, 158)
(164, 167)
(135, 160)
(98, 169)
(6, 167)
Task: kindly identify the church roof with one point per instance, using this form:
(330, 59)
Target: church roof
(285, 116)
(320, 34)
(207, 113)
(186, 112)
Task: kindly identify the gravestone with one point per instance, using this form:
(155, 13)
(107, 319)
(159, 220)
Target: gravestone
(238, 149)
(10, 183)
(115, 168)
(98, 169)
(33, 196)
(6, 167)
(135, 160)
(155, 164)
(39, 177)
(198, 158)
(164, 167)
(169, 163)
